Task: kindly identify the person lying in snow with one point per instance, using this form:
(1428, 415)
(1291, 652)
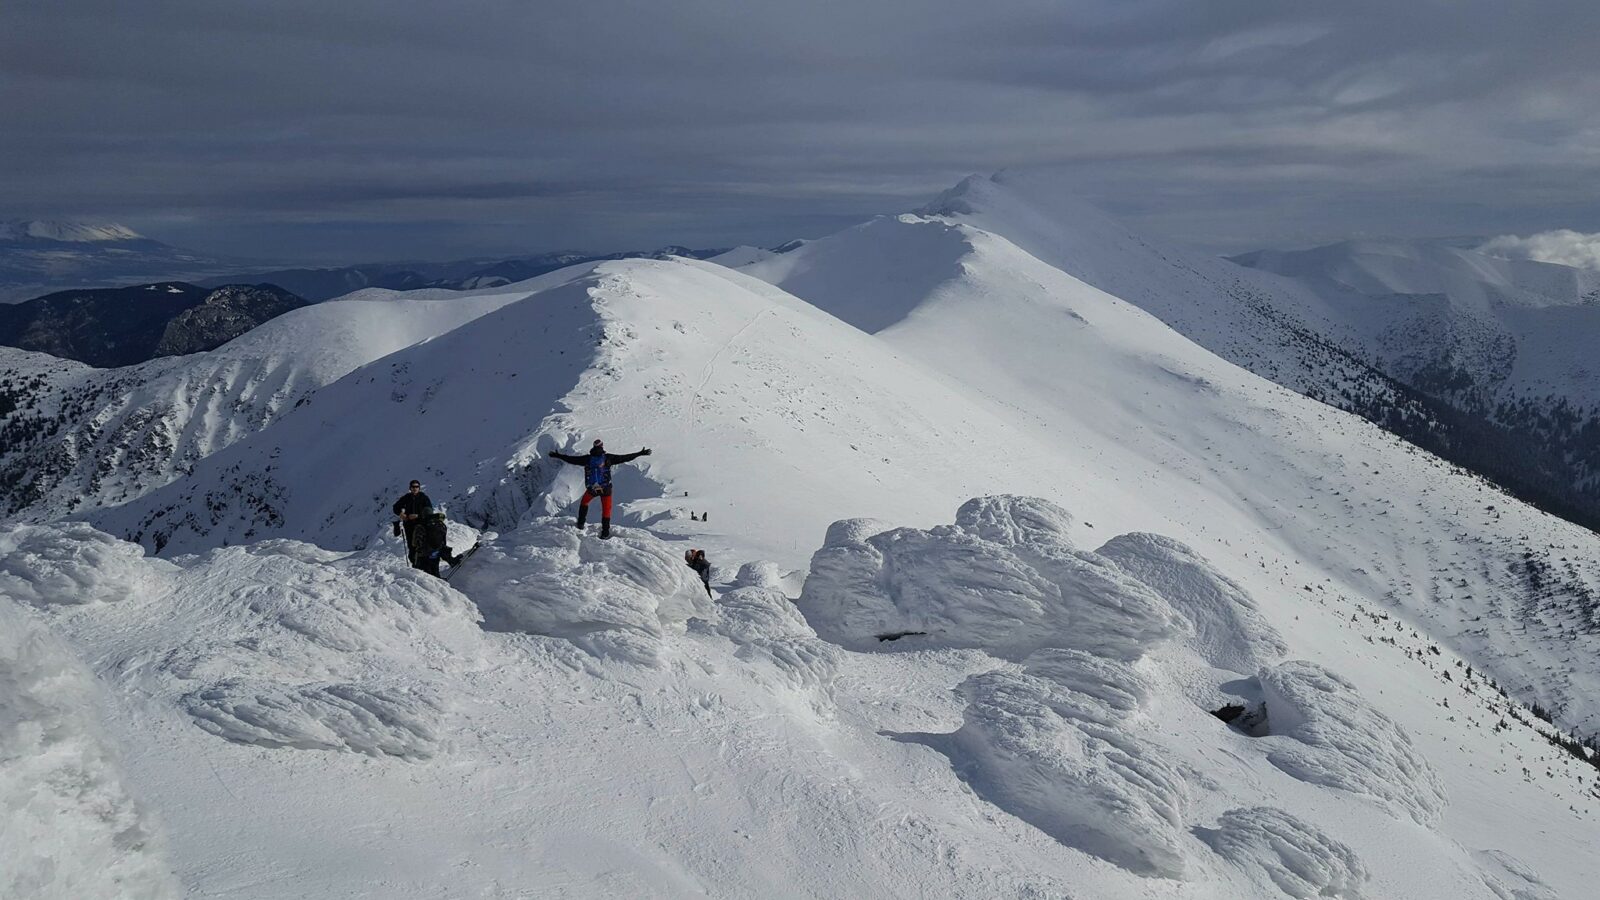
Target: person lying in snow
(597, 480)
(430, 543)
(696, 560)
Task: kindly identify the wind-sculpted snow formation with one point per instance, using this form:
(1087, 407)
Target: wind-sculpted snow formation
(1055, 745)
(68, 825)
(757, 616)
(613, 598)
(1003, 578)
(1278, 850)
(1335, 738)
(287, 645)
(1066, 741)
(1228, 629)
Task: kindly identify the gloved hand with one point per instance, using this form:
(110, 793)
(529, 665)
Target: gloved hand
(645, 452)
(551, 454)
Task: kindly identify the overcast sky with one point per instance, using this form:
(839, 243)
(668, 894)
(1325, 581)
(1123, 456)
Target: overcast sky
(410, 128)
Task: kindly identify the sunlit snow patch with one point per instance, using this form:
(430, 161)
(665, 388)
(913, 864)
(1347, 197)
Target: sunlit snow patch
(757, 616)
(49, 565)
(1052, 745)
(1004, 578)
(612, 598)
(1229, 630)
(68, 827)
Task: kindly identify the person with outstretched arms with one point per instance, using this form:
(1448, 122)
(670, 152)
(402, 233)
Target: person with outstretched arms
(597, 479)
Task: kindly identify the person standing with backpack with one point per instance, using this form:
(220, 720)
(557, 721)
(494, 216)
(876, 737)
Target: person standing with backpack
(597, 480)
(410, 509)
(696, 560)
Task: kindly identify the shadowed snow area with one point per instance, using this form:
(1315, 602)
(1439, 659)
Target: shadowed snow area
(129, 431)
(68, 827)
(1277, 850)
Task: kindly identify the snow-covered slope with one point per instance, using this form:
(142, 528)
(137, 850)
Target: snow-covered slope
(608, 729)
(79, 438)
(774, 417)
(1500, 328)
(916, 677)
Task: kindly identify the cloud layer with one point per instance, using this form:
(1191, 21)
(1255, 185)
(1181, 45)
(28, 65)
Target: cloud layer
(288, 126)
(1569, 248)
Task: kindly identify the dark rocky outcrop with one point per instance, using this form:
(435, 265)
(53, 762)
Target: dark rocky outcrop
(112, 327)
(227, 312)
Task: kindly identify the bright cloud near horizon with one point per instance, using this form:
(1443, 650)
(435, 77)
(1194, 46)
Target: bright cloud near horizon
(365, 129)
(1564, 246)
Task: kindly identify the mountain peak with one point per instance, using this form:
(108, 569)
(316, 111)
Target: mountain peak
(68, 232)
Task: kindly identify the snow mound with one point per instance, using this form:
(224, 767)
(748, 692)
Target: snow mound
(1229, 630)
(1004, 578)
(68, 827)
(756, 608)
(392, 721)
(1276, 849)
(74, 564)
(1508, 878)
(758, 616)
(611, 598)
(287, 645)
(1333, 737)
(1050, 745)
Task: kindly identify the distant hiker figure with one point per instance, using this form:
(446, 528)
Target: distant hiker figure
(410, 508)
(431, 547)
(597, 480)
(696, 560)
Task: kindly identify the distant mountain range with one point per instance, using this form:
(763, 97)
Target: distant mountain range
(39, 257)
(110, 327)
(318, 284)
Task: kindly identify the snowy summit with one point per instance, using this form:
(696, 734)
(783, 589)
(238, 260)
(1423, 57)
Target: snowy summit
(1038, 569)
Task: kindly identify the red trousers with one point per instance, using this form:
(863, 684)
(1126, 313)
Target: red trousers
(605, 503)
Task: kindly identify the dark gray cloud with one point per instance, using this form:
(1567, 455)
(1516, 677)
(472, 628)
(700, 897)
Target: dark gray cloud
(294, 128)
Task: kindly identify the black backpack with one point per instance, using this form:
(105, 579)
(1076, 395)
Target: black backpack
(431, 533)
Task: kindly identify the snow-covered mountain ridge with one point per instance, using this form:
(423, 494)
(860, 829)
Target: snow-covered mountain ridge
(960, 698)
(1507, 340)
(78, 438)
(67, 232)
